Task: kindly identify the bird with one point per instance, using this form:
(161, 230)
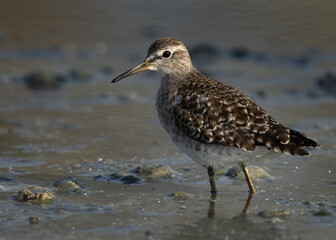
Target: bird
(212, 122)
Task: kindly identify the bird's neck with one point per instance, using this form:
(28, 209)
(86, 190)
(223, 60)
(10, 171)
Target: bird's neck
(177, 78)
(172, 83)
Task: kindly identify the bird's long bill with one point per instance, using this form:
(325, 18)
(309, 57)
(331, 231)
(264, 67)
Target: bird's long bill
(141, 67)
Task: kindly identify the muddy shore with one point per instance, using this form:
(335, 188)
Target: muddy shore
(81, 158)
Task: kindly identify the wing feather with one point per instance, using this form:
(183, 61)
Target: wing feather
(213, 112)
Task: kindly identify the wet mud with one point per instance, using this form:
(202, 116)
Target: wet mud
(81, 158)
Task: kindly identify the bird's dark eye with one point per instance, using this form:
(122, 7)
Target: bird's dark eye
(166, 54)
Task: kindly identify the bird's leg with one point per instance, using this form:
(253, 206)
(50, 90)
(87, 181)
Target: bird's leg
(211, 173)
(212, 206)
(211, 211)
(247, 204)
(242, 217)
(242, 165)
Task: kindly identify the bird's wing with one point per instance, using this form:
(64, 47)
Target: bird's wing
(220, 114)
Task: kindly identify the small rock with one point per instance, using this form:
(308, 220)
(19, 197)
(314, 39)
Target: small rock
(155, 171)
(272, 214)
(254, 172)
(34, 220)
(130, 179)
(117, 175)
(44, 196)
(25, 195)
(180, 196)
(120, 176)
(37, 198)
(44, 80)
(233, 172)
(322, 213)
(68, 184)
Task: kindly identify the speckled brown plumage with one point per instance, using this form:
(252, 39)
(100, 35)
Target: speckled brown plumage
(210, 121)
(213, 112)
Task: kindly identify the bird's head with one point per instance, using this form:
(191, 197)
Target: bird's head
(169, 56)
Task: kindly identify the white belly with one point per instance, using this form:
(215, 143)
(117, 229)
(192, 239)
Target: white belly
(216, 155)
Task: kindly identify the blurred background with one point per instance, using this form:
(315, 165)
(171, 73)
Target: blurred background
(60, 115)
(283, 27)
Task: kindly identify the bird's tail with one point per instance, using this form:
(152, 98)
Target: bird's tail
(295, 146)
(302, 140)
(297, 142)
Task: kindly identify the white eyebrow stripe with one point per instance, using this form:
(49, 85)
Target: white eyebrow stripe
(172, 49)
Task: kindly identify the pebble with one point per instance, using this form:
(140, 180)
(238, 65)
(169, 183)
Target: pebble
(273, 214)
(121, 177)
(117, 175)
(130, 179)
(38, 197)
(322, 213)
(155, 171)
(68, 184)
(34, 220)
(255, 172)
(180, 196)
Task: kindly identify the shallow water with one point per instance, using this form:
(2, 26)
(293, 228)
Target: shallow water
(88, 129)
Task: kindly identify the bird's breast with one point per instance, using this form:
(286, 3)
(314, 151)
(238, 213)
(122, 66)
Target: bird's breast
(165, 99)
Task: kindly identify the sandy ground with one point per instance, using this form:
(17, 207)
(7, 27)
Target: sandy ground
(60, 117)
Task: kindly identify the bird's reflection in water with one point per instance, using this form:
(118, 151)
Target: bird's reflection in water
(242, 216)
(221, 226)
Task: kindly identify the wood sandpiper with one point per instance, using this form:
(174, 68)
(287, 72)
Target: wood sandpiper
(212, 122)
